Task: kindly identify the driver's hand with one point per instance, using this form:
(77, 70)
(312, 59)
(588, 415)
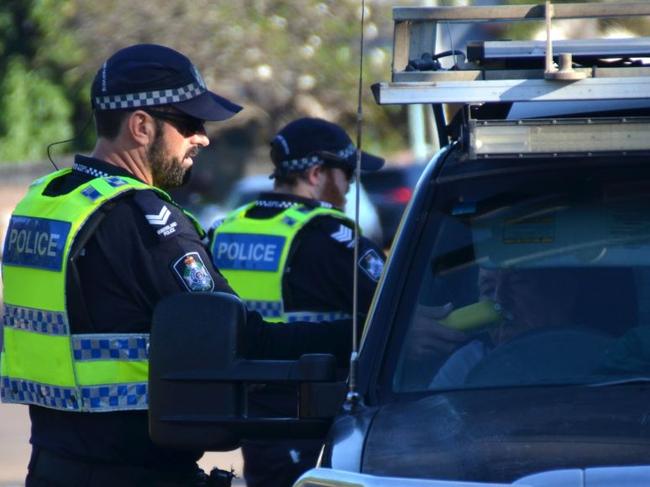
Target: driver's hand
(428, 335)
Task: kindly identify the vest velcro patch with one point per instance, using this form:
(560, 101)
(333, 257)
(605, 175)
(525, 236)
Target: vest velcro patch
(91, 193)
(193, 273)
(116, 181)
(36, 242)
(250, 252)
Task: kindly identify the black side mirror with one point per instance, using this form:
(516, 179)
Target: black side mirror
(198, 381)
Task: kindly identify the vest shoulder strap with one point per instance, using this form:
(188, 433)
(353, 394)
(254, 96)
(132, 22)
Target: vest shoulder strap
(285, 223)
(304, 214)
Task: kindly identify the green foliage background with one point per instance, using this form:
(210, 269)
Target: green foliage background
(279, 58)
(38, 88)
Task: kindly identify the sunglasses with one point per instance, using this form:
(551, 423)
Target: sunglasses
(185, 124)
(333, 160)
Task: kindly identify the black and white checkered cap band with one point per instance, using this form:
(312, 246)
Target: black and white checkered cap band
(149, 98)
(296, 165)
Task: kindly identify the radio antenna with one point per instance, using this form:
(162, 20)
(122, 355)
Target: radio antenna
(353, 395)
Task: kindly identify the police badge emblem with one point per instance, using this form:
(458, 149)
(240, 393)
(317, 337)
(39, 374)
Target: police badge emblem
(192, 273)
(371, 264)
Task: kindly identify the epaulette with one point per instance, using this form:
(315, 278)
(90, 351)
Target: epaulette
(338, 229)
(157, 212)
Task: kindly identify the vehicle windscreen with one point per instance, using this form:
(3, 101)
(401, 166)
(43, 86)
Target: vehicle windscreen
(530, 278)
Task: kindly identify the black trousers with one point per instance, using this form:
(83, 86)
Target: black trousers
(278, 463)
(47, 469)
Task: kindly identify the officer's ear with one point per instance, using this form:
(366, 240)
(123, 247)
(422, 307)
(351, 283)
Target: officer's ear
(140, 127)
(314, 174)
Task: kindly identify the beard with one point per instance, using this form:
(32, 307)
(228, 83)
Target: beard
(167, 172)
(331, 192)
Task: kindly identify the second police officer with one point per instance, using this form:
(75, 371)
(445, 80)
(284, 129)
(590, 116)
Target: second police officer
(290, 256)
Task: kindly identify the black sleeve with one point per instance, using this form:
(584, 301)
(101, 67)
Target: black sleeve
(175, 256)
(287, 341)
(320, 275)
(143, 249)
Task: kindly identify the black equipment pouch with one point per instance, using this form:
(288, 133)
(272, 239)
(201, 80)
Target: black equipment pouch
(220, 478)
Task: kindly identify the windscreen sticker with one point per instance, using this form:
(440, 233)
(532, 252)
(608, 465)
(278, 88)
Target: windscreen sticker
(250, 252)
(629, 222)
(531, 230)
(465, 208)
(36, 242)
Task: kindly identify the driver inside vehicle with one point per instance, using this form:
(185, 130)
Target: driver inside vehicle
(525, 300)
(528, 298)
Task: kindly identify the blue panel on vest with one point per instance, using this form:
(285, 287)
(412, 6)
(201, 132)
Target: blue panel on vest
(244, 251)
(35, 242)
(91, 193)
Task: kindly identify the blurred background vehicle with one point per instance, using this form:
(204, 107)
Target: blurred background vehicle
(249, 189)
(390, 191)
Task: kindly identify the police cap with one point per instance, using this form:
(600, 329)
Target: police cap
(145, 75)
(308, 142)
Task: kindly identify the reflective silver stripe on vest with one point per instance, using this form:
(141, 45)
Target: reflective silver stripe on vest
(268, 309)
(36, 320)
(110, 346)
(115, 397)
(28, 392)
(111, 397)
(315, 316)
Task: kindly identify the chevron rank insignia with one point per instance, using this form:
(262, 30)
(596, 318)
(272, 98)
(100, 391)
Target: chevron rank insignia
(343, 234)
(371, 264)
(159, 214)
(160, 221)
(192, 273)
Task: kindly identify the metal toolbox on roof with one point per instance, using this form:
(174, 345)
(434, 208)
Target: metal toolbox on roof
(415, 77)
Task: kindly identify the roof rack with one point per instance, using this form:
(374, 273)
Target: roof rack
(418, 78)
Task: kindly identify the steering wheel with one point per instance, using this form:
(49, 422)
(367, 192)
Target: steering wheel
(544, 355)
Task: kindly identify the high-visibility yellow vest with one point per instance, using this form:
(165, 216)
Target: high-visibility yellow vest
(252, 255)
(42, 362)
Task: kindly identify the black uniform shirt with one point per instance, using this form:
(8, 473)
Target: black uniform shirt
(134, 256)
(319, 271)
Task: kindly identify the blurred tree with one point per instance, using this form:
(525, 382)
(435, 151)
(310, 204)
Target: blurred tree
(37, 80)
(279, 58)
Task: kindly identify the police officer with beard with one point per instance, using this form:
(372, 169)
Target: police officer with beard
(290, 256)
(90, 251)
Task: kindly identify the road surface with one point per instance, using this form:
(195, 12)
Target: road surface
(14, 449)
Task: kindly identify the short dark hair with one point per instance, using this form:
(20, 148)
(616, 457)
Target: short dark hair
(108, 122)
(288, 179)
(283, 178)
